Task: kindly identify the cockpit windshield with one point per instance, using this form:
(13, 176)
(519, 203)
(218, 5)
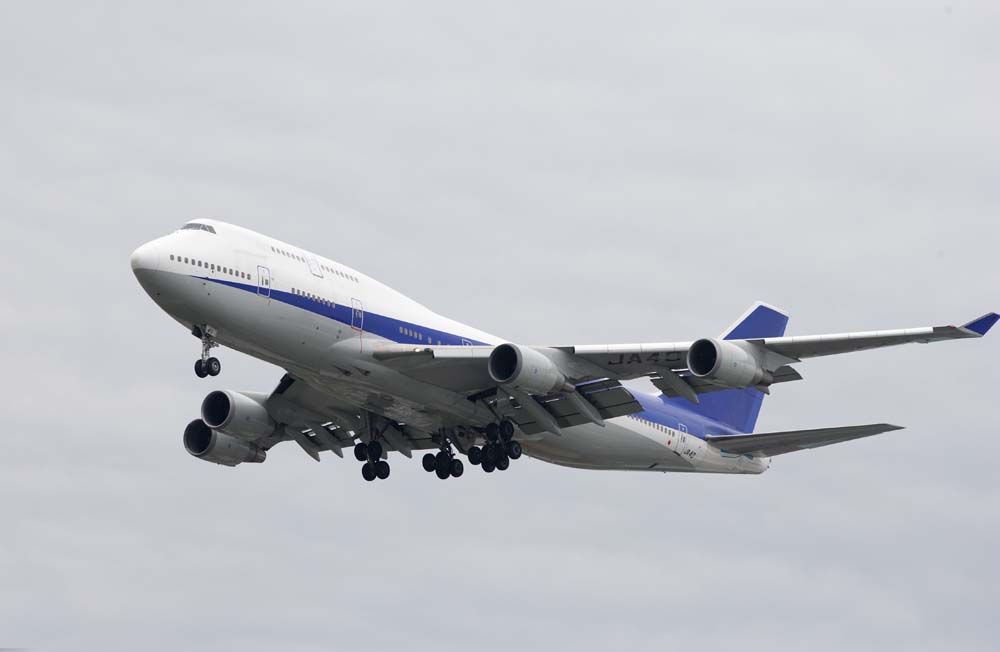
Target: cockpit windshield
(195, 226)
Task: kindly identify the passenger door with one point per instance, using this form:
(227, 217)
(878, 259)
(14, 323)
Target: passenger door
(264, 282)
(314, 267)
(357, 315)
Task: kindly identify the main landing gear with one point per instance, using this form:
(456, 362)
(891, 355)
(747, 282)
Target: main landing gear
(444, 463)
(206, 365)
(499, 450)
(374, 466)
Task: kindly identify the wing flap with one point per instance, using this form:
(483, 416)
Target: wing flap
(768, 444)
(608, 396)
(782, 374)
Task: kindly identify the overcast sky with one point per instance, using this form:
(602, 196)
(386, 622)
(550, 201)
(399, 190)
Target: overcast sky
(553, 173)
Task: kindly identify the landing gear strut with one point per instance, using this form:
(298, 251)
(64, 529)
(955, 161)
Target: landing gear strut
(443, 463)
(206, 365)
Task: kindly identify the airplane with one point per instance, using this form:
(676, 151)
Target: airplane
(370, 369)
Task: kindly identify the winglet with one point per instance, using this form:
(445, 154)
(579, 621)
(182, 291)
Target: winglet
(982, 325)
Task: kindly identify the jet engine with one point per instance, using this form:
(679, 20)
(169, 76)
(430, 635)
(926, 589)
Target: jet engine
(214, 446)
(727, 363)
(526, 369)
(237, 415)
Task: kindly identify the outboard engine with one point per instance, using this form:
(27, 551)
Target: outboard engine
(214, 446)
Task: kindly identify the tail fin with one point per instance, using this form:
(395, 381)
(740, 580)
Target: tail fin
(739, 408)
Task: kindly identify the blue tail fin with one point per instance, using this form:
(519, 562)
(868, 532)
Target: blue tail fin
(739, 408)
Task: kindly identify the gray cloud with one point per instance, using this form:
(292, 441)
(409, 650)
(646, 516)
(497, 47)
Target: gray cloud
(552, 172)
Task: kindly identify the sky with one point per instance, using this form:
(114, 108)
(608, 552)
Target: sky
(552, 172)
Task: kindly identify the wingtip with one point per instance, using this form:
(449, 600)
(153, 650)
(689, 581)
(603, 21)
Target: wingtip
(982, 325)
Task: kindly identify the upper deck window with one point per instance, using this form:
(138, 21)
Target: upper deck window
(195, 226)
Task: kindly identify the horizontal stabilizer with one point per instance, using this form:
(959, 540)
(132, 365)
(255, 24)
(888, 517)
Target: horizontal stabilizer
(767, 444)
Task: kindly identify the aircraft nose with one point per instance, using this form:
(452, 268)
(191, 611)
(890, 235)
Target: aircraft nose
(145, 257)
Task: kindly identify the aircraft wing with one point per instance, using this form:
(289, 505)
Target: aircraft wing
(464, 368)
(320, 417)
(768, 444)
(632, 360)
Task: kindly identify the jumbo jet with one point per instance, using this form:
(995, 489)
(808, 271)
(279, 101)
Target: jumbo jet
(368, 368)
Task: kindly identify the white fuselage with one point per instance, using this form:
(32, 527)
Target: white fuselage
(321, 320)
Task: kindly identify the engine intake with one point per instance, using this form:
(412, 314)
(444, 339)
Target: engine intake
(237, 415)
(525, 368)
(213, 446)
(727, 363)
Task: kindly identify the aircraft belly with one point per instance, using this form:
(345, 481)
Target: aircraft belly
(613, 447)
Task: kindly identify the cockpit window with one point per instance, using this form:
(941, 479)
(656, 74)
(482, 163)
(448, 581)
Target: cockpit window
(195, 226)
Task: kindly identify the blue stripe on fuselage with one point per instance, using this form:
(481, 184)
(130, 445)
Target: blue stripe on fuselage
(374, 323)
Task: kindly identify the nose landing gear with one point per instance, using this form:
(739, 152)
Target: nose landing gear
(206, 365)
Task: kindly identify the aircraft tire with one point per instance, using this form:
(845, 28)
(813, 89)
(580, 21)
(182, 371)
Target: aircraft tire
(492, 432)
(429, 461)
(382, 469)
(368, 471)
(361, 452)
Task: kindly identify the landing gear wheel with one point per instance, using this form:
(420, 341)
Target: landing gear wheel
(506, 429)
(361, 452)
(503, 463)
(492, 432)
(442, 463)
(374, 450)
(382, 469)
(514, 450)
(368, 471)
(443, 473)
(489, 454)
(475, 455)
(429, 461)
(212, 366)
(199, 369)
(457, 468)
(488, 466)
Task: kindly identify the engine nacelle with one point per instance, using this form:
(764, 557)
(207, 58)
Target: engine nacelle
(727, 363)
(526, 369)
(237, 415)
(213, 446)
